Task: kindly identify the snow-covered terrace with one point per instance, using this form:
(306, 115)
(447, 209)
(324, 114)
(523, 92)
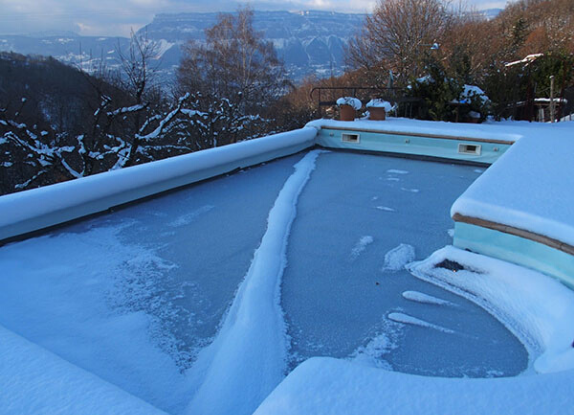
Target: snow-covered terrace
(331, 268)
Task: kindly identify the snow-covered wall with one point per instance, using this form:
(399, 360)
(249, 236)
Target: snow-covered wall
(531, 188)
(36, 209)
(521, 209)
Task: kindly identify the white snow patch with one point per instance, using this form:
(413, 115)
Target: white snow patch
(450, 232)
(385, 208)
(410, 190)
(406, 319)
(371, 354)
(190, 217)
(36, 381)
(247, 359)
(361, 245)
(398, 257)
(396, 171)
(323, 385)
(425, 298)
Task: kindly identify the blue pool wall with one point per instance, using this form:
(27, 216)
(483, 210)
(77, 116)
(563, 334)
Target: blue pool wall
(438, 147)
(515, 249)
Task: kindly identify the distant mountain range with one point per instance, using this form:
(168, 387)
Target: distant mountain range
(309, 42)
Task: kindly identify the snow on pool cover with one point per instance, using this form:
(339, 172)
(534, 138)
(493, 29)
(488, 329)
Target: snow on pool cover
(167, 300)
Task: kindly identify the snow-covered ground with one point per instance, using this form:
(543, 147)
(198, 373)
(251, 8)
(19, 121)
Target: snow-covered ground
(201, 301)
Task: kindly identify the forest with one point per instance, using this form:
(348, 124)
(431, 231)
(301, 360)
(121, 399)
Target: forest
(59, 123)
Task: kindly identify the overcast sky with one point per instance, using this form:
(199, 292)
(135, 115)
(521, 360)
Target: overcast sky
(117, 17)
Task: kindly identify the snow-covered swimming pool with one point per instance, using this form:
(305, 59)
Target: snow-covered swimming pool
(135, 296)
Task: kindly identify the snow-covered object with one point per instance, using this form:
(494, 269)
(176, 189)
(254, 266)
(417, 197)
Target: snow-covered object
(248, 357)
(38, 208)
(380, 103)
(529, 188)
(35, 381)
(354, 103)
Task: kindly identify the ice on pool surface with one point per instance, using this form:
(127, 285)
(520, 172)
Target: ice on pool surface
(136, 295)
(335, 307)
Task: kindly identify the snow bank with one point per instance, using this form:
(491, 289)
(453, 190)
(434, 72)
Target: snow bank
(537, 308)
(248, 357)
(326, 386)
(39, 208)
(529, 188)
(35, 381)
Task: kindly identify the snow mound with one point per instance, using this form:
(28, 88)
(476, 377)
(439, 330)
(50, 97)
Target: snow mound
(397, 258)
(248, 357)
(406, 319)
(425, 298)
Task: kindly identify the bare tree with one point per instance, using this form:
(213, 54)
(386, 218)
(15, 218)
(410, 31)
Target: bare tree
(397, 34)
(235, 63)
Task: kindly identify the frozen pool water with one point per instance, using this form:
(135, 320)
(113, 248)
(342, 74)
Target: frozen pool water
(133, 296)
(360, 219)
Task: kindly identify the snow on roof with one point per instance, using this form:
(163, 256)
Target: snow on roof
(527, 60)
(530, 187)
